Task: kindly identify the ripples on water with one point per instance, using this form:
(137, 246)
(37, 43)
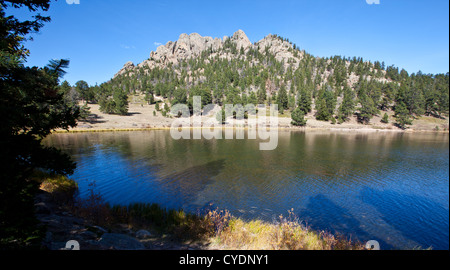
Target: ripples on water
(391, 187)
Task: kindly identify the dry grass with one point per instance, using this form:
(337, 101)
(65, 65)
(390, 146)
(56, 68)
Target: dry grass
(217, 227)
(93, 208)
(61, 188)
(286, 234)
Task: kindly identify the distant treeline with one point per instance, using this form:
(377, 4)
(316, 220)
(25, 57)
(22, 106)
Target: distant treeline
(336, 87)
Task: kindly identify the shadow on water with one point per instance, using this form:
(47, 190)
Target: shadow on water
(422, 220)
(190, 183)
(321, 214)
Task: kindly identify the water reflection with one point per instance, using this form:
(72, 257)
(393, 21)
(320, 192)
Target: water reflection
(422, 214)
(320, 210)
(384, 186)
(190, 183)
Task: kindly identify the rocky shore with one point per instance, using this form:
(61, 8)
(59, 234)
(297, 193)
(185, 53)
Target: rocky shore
(63, 226)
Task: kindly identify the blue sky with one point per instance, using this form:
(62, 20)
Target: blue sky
(99, 36)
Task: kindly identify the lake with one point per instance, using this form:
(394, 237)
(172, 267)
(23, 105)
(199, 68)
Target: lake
(391, 187)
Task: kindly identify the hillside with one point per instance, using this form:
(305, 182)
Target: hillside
(233, 70)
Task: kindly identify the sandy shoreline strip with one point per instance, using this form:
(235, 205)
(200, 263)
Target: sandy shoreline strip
(142, 117)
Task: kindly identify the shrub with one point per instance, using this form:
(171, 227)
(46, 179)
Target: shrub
(385, 118)
(298, 117)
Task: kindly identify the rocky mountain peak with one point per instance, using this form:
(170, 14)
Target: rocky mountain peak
(192, 45)
(185, 47)
(126, 67)
(241, 40)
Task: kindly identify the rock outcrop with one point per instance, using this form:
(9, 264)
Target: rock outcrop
(189, 46)
(192, 46)
(65, 228)
(128, 66)
(186, 47)
(241, 40)
(282, 50)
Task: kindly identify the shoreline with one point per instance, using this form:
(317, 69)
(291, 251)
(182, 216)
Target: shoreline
(144, 117)
(95, 225)
(304, 129)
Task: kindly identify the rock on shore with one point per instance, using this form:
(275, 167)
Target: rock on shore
(62, 227)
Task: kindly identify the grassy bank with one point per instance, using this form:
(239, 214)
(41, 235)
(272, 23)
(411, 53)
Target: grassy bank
(223, 231)
(218, 229)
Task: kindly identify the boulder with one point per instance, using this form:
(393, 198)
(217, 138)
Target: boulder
(120, 242)
(143, 234)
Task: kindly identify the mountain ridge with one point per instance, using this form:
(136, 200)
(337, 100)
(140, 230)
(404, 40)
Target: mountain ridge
(192, 45)
(233, 70)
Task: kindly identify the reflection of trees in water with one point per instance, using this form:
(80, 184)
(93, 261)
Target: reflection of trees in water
(341, 154)
(323, 214)
(186, 185)
(308, 164)
(322, 154)
(331, 157)
(417, 218)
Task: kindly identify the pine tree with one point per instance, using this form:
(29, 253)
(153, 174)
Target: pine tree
(120, 102)
(385, 118)
(32, 109)
(402, 115)
(82, 88)
(220, 116)
(305, 100)
(325, 104)
(367, 109)
(347, 106)
(322, 113)
(298, 117)
(262, 95)
(282, 98)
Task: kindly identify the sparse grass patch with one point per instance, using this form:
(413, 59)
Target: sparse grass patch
(94, 208)
(217, 227)
(60, 187)
(286, 234)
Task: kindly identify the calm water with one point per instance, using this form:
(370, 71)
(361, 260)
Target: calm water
(393, 188)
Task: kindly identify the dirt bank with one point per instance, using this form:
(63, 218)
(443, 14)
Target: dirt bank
(143, 116)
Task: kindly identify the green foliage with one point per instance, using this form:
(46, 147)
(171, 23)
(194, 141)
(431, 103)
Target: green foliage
(34, 105)
(385, 118)
(298, 117)
(220, 116)
(84, 112)
(114, 101)
(202, 92)
(121, 102)
(261, 95)
(282, 98)
(325, 104)
(179, 96)
(368, 108)
(402, 114)
(403, 118)
(83, 88)
(347, 106)
(305, 100)
(149, 98)
(254, 75)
